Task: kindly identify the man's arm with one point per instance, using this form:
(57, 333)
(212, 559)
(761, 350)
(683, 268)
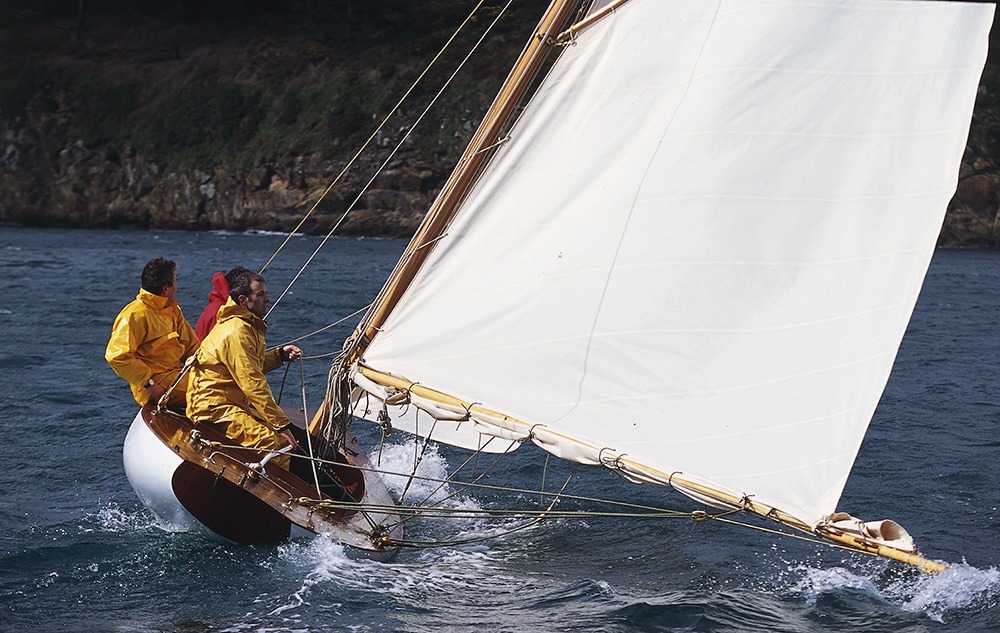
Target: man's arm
(249, 377)
(281, 355)
(120, 352)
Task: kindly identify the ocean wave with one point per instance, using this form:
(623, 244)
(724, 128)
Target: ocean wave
(950, 595)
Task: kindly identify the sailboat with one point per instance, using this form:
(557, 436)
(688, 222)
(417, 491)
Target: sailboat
(685, 250)
(692, 257)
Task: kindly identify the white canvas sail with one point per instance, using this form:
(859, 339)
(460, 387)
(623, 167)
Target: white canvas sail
(701, 245)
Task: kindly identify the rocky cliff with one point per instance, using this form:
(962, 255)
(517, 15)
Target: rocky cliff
(141, 122)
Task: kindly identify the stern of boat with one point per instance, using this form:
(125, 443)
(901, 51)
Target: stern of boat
(150, 467)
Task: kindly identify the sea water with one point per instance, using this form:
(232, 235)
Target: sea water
(79, 553)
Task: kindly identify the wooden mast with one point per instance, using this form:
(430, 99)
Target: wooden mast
(473, 159)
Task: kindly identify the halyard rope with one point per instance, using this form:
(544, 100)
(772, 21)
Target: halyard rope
(375, 134)
(391, 154)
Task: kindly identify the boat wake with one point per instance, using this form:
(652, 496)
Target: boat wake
(451, 568)
(112, 518)
(959, 588)
(950, 595)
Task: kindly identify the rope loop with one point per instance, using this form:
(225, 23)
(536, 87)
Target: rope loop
(617, 463)
(384, 421)
(556, 43)
(468, 410)
(531, 432)
(397, 397)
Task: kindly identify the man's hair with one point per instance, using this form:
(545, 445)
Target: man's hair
(240, 284)
(158, 273)
(234, 273)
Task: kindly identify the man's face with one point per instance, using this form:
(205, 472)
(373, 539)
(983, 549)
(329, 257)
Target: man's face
(257, 300)
(170, 291)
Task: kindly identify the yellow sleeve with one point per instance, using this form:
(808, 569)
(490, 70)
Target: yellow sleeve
(273, 360)
(248, 373)
(121, 349)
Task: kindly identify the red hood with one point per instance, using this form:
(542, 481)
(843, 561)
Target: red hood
(218, 296)
(220, 289)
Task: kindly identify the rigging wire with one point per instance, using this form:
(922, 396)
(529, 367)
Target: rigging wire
(638, 511)
(418, 458)
(629, 510)
(463, 484)
(374, 135)
(305, 413)
(391, 154)
(325, 328)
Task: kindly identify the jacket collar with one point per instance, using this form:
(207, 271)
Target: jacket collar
(232, 310)
(156, 302)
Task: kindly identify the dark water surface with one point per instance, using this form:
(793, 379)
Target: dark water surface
(79, 553)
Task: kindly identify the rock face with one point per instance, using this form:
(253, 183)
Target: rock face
(147, 125)
(973, 219)
(50, 180)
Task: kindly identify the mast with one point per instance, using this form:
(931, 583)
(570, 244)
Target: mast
(446, 204)
(474, 157)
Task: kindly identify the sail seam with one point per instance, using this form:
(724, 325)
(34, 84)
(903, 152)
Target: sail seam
(639, 186)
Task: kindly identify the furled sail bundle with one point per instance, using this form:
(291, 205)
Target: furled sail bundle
(695, 254)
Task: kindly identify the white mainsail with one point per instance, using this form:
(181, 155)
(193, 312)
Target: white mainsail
(700, 247)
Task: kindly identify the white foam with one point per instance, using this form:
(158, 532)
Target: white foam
(452, 568)
(959, 588)
(817, 582)
(112, 518)
(948, 595)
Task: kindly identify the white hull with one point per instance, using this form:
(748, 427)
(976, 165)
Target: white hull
(150, 467)
(193, 493)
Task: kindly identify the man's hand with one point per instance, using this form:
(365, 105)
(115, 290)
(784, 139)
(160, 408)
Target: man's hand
(287, 434)
(156, 391)
(291, 352)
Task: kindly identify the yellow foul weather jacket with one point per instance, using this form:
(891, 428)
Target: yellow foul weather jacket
(150, 339)
(228, 384)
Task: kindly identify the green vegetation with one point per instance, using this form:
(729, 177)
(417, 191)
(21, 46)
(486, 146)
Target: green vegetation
(231, 94)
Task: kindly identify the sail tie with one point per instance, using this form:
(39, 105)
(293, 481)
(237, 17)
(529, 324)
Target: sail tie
(531, 432)
(616, 461)
(384, 421)
(468, 411)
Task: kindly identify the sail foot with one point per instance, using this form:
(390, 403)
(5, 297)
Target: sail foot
(884, 538)
(884, 532)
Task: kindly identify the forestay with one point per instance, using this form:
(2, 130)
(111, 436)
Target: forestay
(703, 241)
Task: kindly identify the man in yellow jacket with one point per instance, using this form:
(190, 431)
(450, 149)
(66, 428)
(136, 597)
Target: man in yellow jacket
(228, 388)
(151, 338)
